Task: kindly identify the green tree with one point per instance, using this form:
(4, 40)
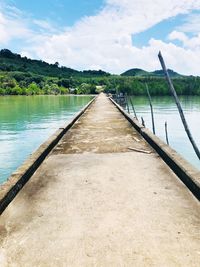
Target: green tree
(33, 89)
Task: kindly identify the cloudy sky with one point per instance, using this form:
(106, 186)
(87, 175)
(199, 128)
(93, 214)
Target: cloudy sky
(113, 35)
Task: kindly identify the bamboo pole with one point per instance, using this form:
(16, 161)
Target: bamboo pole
(166, 133)
(173, 91)
(133, 109)
(151, 106)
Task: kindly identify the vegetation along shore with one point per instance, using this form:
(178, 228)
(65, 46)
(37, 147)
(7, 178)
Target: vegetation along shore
(22, 76)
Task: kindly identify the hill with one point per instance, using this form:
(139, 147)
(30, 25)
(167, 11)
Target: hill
(14, 62)
(157, 73)
(173, 74)
(135, 72)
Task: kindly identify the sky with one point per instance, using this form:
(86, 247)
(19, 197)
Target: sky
(113, 35)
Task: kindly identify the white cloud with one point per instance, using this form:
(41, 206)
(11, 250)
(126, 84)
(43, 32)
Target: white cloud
(105, 40)
(43, 24)
(188, 43)
(180, 36)
(12, 26)
(191, 24)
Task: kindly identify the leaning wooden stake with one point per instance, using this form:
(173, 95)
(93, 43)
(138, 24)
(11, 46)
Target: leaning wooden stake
(173, 91)
(151, 106)
(127, 103)
(133, 109)
(166, 133)
(143, 122)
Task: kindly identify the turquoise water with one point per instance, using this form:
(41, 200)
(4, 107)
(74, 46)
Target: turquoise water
(26, 122)
(166, 110)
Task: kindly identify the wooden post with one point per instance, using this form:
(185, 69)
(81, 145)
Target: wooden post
(127, 103)
(117, 99)
(143, 123)
(166, 133)
(133, 109)
(151, 106)
(173, 91)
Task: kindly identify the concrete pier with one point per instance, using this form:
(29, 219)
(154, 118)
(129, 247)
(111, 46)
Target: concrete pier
(96, 202)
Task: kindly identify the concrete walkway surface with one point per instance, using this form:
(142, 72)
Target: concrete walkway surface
(94, 202)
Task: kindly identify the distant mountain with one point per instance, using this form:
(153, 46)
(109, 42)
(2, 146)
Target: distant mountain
(11, 62)
(135, 72)
(171, 73)
(142, 73)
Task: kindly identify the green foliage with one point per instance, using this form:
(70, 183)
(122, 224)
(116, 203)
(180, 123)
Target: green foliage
(85, 88)
(23, 76)
(33, 89)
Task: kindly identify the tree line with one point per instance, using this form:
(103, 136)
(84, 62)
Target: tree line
(19, 83)
(23, 76)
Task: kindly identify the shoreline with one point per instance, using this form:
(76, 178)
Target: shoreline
(52, 95)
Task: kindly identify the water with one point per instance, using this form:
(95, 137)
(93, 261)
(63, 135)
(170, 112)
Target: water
(26, 122)
(166, 110)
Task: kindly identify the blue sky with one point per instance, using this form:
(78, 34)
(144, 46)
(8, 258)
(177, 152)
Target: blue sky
(163, 29)
(159, 31)
(61, 12)
(114, 35)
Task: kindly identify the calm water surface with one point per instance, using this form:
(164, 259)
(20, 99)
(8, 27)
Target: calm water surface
(166, 110)
(26, 122)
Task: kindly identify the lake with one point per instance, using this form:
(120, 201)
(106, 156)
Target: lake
(26, 122)
(165, 110)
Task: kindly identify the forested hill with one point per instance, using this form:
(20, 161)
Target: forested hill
(157, 73)
(14, 62)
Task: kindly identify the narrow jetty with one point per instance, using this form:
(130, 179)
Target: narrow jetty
(102, 197)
